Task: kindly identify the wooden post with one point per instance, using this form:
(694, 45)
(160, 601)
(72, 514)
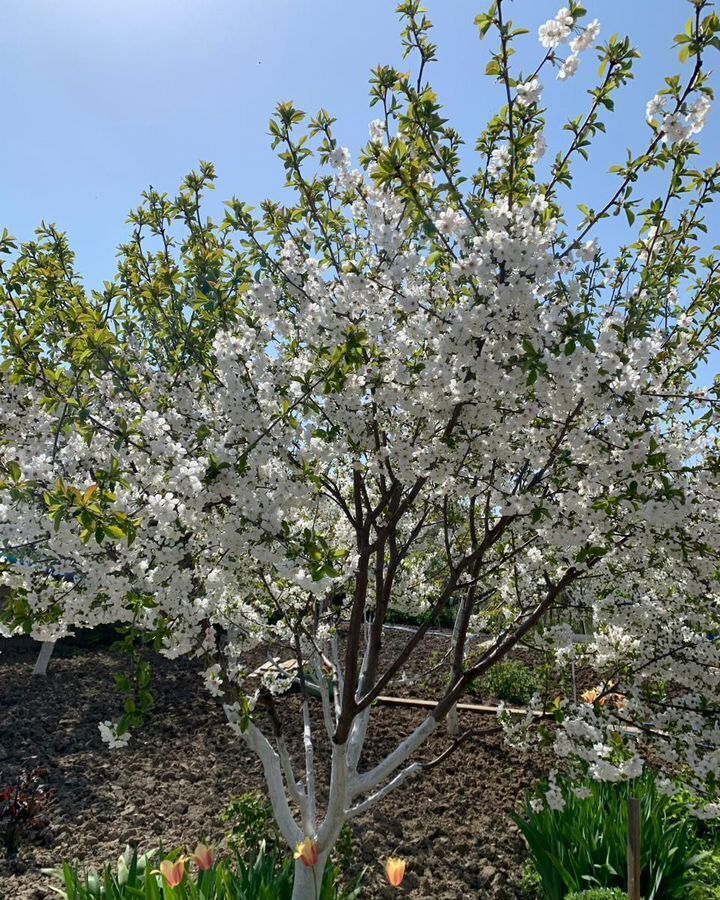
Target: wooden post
(633, 855)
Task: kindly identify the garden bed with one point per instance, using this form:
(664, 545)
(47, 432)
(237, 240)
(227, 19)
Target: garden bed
(172, 783)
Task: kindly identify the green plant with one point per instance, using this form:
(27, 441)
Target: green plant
(584, 845)
(252, 825)
(446, 618)
(267, 875)
(251, 822)
(708, 887)
(511, 681)
(530, 884)
(344, 849)
(598, 894)
(23, 805)
(333, 886)
(130, 880)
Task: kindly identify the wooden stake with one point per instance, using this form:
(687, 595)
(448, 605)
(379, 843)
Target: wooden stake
(633, 848)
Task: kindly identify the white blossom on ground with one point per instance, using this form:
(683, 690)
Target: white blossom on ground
(109, 736)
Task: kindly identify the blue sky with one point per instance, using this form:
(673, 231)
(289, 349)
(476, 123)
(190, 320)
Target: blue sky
(104, 97)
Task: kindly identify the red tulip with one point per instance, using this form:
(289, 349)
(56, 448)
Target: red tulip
(307, 851)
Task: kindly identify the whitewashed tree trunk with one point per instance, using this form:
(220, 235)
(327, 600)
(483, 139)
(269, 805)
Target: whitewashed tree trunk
(46, 650)
(308, 879)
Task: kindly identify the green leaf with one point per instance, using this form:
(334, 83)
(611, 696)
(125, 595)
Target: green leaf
(14, 470)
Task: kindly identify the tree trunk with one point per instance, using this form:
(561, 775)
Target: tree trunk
(308, 879)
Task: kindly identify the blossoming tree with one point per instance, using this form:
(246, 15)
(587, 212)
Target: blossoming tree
(410, 388)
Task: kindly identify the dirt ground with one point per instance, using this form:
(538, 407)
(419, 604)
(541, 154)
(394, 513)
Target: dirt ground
(177, 775)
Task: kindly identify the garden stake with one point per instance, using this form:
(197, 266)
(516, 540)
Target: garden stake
(634, 848)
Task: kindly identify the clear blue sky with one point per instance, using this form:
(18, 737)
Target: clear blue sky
(103, 97)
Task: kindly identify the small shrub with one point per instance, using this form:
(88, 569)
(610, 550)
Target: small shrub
(584, 845)
(23, 805)
(530, 884)
(708, 887)
(513, 682)
(599, 894)
(446, 619)
(251, 821)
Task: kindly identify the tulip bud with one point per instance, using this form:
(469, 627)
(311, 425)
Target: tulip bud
(203, 857)
(173, 872)
(395, 871)
(307, 851)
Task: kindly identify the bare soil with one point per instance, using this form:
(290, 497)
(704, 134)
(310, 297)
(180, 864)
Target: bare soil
(172, 783)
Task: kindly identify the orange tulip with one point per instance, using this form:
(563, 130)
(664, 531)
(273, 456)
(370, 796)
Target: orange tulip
(307, 851)
(609, 699)
(591, 695)
(203, 857)
(395, 871)
(173, 872)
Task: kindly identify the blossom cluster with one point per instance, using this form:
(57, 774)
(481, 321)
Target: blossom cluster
(676, 126)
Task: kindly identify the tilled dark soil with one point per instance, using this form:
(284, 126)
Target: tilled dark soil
(177, 775)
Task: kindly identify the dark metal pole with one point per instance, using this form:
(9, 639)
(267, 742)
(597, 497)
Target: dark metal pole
(634, 848)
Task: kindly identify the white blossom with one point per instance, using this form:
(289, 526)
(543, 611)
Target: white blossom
(698, 113)
(569, 67)
(529, 92)
(586, 38)
(499, 159)
(213, 680)
(539, 148)
(556, 31)
(340, 158)
(656, 107)
(676, 128)
(589, 250)
(377, 131)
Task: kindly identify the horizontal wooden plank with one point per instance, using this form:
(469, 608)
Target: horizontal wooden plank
(470, 707)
